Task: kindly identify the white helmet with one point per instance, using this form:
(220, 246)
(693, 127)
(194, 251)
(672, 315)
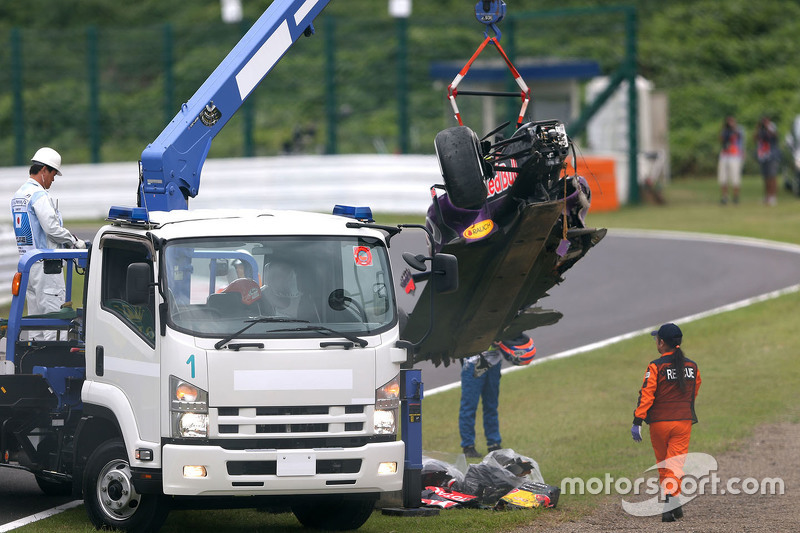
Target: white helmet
(48, 156)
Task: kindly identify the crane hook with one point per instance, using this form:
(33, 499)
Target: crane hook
(490, 13)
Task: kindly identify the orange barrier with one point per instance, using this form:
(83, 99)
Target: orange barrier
(601, 176)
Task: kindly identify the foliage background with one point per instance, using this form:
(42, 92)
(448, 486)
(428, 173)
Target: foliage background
(712, 58)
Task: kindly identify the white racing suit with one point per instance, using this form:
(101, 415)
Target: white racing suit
(37, 225)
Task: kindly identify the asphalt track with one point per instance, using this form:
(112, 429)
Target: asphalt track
(634, 280)
(631, 281)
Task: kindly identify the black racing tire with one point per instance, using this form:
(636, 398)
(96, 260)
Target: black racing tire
(333, 513)
(111, 500)
(459, 155)
(54, 487)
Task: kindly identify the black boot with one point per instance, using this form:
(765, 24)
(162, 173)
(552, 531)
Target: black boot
(670, 515)
(470, 452)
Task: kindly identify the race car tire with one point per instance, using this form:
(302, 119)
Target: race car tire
(459, 155)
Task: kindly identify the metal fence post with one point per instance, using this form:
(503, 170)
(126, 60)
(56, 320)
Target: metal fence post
(19, 100)
(94, 93)
(402, 82)
(248, 109)
(330, 84)
(169, 83)
(633, 107)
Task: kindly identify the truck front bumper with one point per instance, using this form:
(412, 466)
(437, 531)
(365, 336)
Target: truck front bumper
(227, 472)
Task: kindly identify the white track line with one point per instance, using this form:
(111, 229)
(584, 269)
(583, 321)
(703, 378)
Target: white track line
(39, 516)
(706, 237)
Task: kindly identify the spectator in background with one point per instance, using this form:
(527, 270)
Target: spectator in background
(731, 159)
(768, 154)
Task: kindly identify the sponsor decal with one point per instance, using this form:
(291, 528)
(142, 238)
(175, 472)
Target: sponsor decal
(22, 229)
(523, 498)
(502, 179)
(407, 282)
(362, 255)
(252, 295)
(478, 230)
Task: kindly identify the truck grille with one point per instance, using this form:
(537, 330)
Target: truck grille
(313, 420)
(269, 468)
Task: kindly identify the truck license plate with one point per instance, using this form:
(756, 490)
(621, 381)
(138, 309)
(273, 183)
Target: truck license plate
(297, 464)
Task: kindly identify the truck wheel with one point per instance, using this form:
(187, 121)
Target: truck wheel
(110, 497)
(53, 487)
(333, 513)
(458, 152)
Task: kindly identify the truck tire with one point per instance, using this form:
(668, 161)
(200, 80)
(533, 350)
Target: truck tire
(110, 497)
(53, 487)
(333, 513)
(458, 152)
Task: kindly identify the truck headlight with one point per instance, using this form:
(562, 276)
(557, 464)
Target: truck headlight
(388, 395)
(188, 409)
(385, 422)
(191, 424)
(387, 400)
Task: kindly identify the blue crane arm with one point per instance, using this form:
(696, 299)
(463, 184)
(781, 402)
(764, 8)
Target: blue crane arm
(171, 165)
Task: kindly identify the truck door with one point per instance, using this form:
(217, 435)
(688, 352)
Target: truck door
(123, 335)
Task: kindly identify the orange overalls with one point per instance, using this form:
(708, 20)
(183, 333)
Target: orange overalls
(669, 410)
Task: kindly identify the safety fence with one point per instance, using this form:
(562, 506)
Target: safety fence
(360, 85)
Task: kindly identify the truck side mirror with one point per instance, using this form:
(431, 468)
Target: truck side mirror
(445, 273)
(137, 283)
(417, 262)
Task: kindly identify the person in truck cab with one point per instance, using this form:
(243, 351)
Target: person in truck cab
(280, 289)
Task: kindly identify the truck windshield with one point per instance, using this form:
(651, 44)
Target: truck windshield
(214, 287)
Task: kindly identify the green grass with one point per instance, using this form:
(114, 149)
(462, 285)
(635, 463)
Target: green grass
(573, 415)
(693, 205)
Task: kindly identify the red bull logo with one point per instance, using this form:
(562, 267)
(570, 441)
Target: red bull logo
(502, 179)
(478, 230)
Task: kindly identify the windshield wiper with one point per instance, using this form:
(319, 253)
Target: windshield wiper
(324, 329)
(252, 322)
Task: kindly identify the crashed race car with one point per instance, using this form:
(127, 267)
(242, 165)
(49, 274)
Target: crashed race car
(511, 215)
(516, 222)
